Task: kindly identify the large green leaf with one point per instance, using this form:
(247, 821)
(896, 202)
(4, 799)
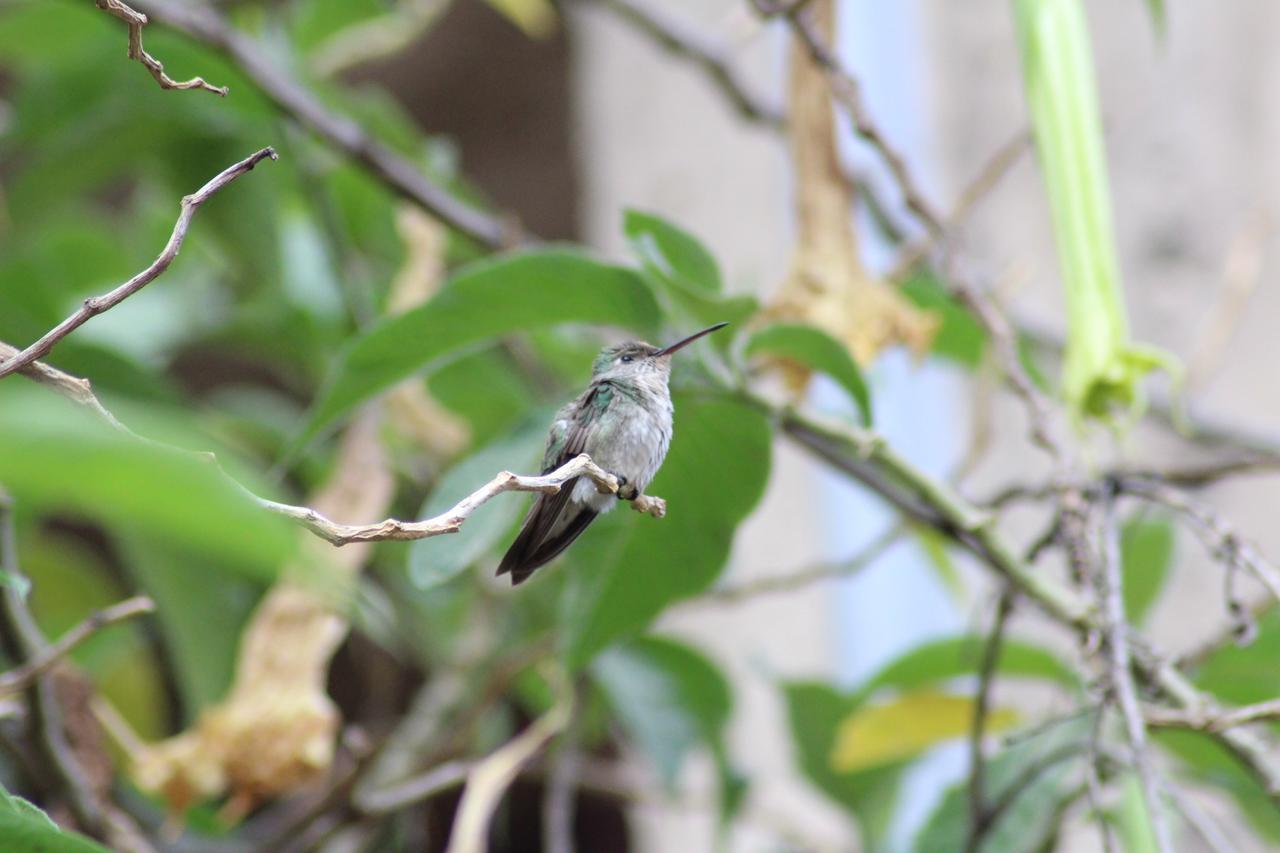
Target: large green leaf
(670, 253)
(815, 712)
(667, 696)
(24, 828)
(816, 350)
(628, 568)
(944, 659)
(1146, 553)
(514, 293)
(1207, 762)
(57, 456)
(436, 560)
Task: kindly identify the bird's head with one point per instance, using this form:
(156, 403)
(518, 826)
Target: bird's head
(632, 360)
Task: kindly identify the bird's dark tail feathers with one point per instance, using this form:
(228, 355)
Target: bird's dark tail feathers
(536, 545)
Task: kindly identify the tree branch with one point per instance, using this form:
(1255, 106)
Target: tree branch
(405, 178)
(95, 305)
(136, 21)
(450, 521)
(980, 817)
(1115, 631)
(22, 677)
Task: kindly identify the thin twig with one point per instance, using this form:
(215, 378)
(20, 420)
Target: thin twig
(992, 171)
(1223, 540)
(72, 387)
(92, 811)
(979, 817)
(490, 778)
(136, 21)
(22, 677)
(203, 24)
(683, 41)
(803, 577)
(848, 92)
(1214, 721)
(1120, 675)
(450, 521)
(443, 777)
(95, 305)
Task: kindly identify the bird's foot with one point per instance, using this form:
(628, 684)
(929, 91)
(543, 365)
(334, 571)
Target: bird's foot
(649, 505)
(626, 489)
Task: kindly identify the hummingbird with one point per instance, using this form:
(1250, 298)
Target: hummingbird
(623, 422)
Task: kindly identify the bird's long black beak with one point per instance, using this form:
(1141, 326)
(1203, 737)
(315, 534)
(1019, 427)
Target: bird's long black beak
(668, 350)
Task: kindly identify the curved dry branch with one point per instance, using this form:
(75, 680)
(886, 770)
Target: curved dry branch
(136, 21)
(95, 305)
(404, 177)
(451, 520)
(21, 677)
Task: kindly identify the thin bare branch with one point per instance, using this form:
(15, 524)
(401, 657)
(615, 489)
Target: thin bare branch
(1206, 720)
(451, 520)
(91, 809)
(848, 92)
(203, 24)
(1223, 540)
(443, 777)
(95, 305)
(992, 171)
(803, 577)
(22, 677)
(979, 815)
(136, 21)
(1119, 672)
(685, 42)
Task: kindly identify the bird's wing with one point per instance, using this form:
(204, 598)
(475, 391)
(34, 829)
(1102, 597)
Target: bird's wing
(539, 541)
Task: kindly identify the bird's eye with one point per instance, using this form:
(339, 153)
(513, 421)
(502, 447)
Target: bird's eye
(626, 359)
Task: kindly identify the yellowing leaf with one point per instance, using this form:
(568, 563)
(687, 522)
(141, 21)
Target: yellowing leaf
(537, 18)
(875, 735)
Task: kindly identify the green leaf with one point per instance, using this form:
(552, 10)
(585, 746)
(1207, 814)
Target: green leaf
(816, 350)
(1031, 821)
(1207, 762)
(529, 290)
(942, 660)
(900, 728)
(182, 582)
(960, 337)
(667, 696)
(814, 712)
(1244, 675)
(938, 554)
(25, 828)
(627, 568)
(436, 560)
(58, 456)
(1146, 553)
(671, 254)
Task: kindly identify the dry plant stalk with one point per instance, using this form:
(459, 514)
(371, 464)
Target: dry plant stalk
(413, 412)
(828, 286)
(276, 729)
